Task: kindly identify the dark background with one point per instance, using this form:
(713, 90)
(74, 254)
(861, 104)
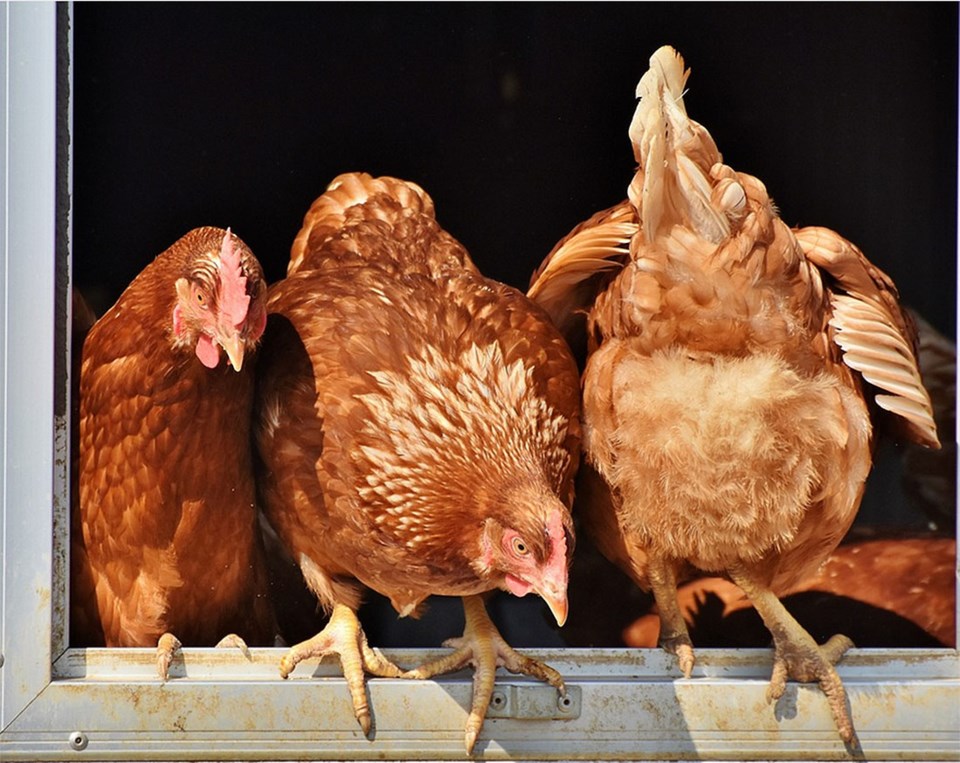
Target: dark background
(512, 116)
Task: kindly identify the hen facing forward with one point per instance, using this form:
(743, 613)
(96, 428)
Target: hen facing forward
(725, 410)
(419, 426)
(166, 492)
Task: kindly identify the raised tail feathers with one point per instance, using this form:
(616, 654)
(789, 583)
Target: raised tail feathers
(680, 180)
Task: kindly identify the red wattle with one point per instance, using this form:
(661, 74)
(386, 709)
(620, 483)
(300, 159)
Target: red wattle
(207, 351)
(516, 586)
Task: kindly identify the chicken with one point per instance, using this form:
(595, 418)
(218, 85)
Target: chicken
(166, 487)
(419, 431)
(734, 368)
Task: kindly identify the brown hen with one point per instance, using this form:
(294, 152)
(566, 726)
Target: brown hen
(170, 544)
(726, 418)
(419, 428)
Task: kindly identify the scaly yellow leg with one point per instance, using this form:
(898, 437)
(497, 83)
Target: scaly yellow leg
(344, 636)
(796, 654)
(674, 636)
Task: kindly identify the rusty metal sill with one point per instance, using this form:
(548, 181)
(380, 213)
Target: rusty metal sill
(630, 704)
(575, 664)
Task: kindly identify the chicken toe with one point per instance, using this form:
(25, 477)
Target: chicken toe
(801, 659)
(344, 636)
(483, 647)
(797, 655)
(681, 646)
(232, 640)
(167, 644)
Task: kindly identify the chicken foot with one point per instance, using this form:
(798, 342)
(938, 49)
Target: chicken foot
(343, 635)
(674, 636)
(483, 647)
(796, 654)
(168, 644)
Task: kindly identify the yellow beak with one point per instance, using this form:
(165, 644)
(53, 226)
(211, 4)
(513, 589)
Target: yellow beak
(233, 346)
(557, 601)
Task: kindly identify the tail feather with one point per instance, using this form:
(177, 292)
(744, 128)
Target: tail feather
(689, 203)
(675, 184)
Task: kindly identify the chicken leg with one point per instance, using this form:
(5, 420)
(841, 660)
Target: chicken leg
(796, 654)
(344, 636)
(483, 647)
(674, 636)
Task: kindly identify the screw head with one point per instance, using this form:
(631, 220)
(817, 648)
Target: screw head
(78, 741)
(564, 703)
(498, 699)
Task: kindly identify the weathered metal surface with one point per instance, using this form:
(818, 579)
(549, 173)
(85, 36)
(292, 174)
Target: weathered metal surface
(618, 664)
(534, 702)
(105, 705)
(28, 216)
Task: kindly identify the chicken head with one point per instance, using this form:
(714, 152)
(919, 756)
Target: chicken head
(213, 309)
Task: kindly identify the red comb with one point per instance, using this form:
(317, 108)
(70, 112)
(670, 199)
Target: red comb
(234, 299)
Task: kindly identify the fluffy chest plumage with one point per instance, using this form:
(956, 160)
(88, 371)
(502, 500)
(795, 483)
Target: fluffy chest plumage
(723, 458)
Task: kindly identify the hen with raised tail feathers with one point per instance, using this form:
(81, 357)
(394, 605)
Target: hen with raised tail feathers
(735, 369)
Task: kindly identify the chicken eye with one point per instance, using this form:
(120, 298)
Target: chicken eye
(201, 299)
(519, 547)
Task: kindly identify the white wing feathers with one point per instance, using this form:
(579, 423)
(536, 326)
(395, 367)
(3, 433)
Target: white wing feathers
(871, 329)
(585, 253)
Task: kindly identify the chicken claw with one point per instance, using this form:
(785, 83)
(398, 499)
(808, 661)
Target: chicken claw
(233, 640)
(797, 655)
(806, 662)
(483, 647)
(344, 636)
(681, 646)
(167, 644)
